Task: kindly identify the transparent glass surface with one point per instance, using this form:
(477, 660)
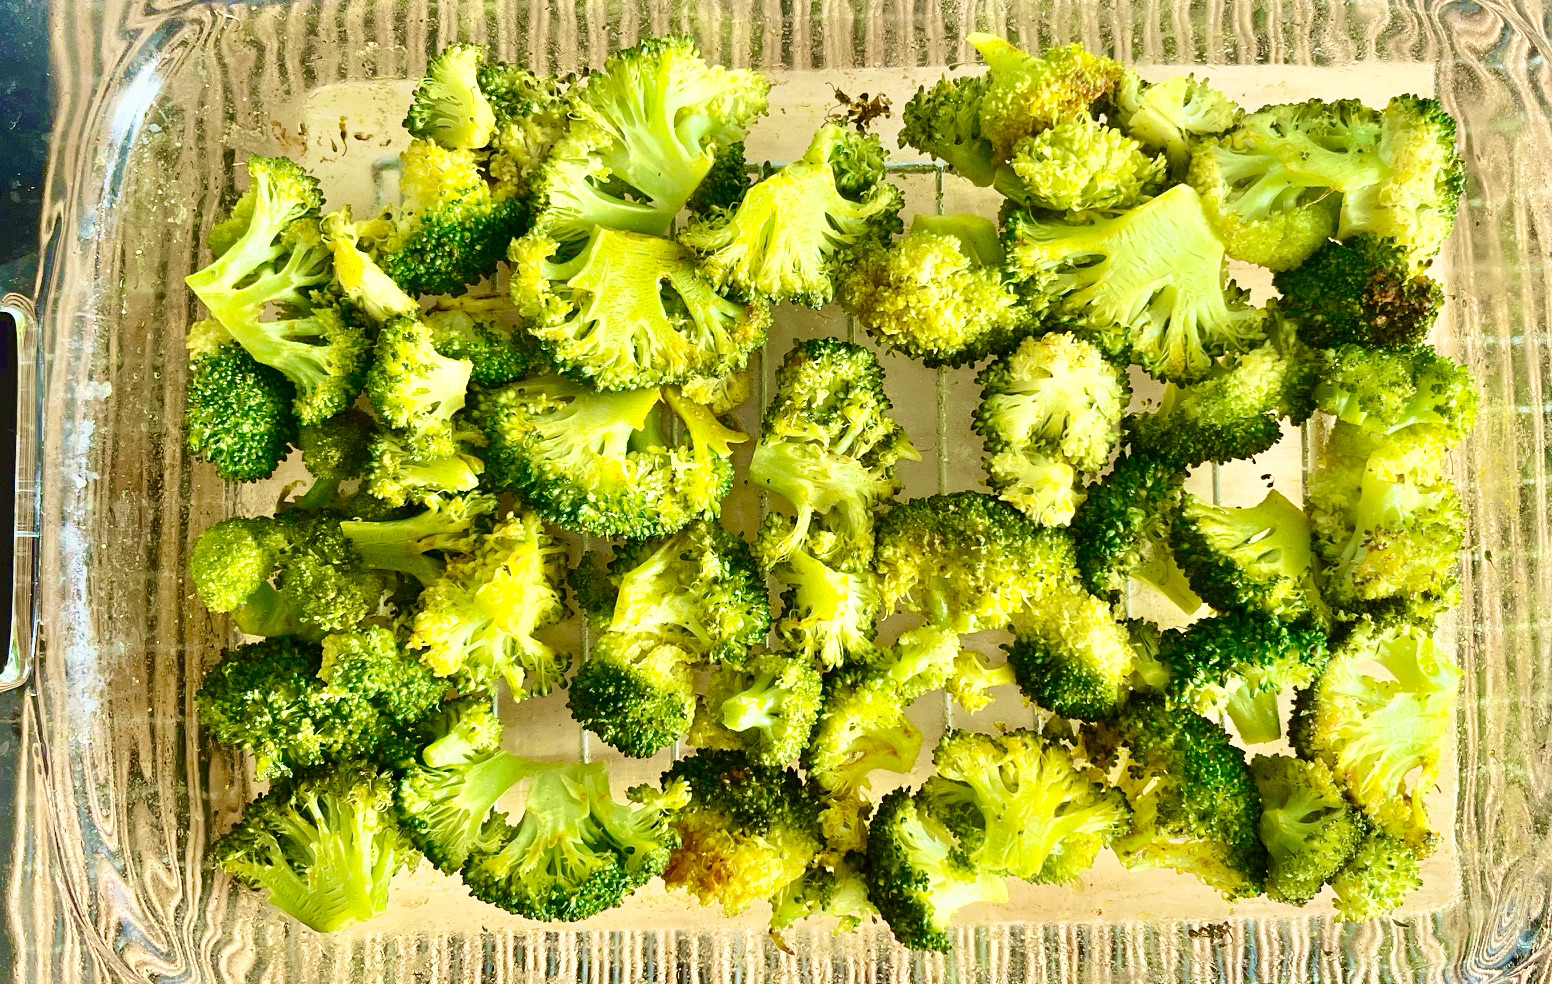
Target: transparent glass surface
(118, 793)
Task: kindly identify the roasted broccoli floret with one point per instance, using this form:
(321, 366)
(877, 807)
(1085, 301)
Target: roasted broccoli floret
(829, 616)
(1388, 391)
(1240, 662)
(828, 447)
(931, 297)
(333, 452)
(601, 463)
(1121, 530)
(403, 468)
(447, 793)
(724, 186)
(967, 561)
(698, 588)
(237, 414)
(1255, 558)
(1365, 291)
(1170, 116)
(1379, 717)
(785, 239)
(748, 832)
(836, 889)
(1416, 199)
(487, 334)
(1380, 876)
(1071, 654)
(862, 728)
(533, 112)
(449, 106)
(278, 263)
(945, 122)
(1050, 414)
(1079, 163)
(636, 691)
(1021, 807)
(647, 131)
(1309, 829)
(767, 707)
(918, 874)
(1194, 804)
(1155, 272)
(1028, 93)
(445, 526)
(629, 311)
(575, 852)
(323, 847)
(929, 658)
(410, 384)
(476, 622)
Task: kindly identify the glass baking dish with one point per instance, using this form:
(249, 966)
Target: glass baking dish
(118, 795)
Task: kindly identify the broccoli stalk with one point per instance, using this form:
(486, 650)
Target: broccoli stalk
(404, 544)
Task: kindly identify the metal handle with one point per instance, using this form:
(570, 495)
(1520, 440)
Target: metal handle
(20, 505)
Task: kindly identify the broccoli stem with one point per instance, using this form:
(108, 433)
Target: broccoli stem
(1255, 715)
(266, 613)
(752, 707)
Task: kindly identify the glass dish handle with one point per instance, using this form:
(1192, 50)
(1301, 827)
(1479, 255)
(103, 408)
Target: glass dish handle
(21, 504)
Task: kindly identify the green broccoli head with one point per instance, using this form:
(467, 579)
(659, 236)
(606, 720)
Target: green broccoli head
(1365, 291)
(363, 284)
(862, 728)
(1194, 803)
(1379, 717)
(748, 833)
(1021, 807)
(635, 691)
(533, 112)
(767, 707)
(601, 463)
(476, 622)
(724, 185)
(629, 311)
(787, 238)
(1055, 400)
(1170, 116)
(967, 561)
(1028, 94)
(334, 451)
(931, 298)
(238, 414)
(1240, 662)
(945, 122)
(829, 616)
(1121, 530)
(1381, 874)
(1309, 828)
(1255, 558)
(487, 334)
(411, 386)
(1071, 654)
(409, 544)
(1388, 391)
(917, 874)
(836, 889)
(1080, 163)
(575, 851)
(1105, 270)
(324, 847)
(368, 665)
(828, 447)
(1416, 199)
(404, 468)
(446, 793)
(448, 106)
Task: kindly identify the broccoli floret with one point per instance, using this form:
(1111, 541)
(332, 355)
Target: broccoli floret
(647, 132)
(1383, 872)
(488, 335)
(828, 447)
(449, 106)
(1416, 200)
(279, 263)
(698, 588)
(369, 665)
(1194, 803)
(836, 889)
(767, 707)
(629, 311)
(748, 833)
(1070, 654)
(1106, 270)
(1052, 406)
(1388, 525)
(412, 386)
(333, 452)
(1255, 558)
(237, 414)
(1235, 411)
(862, 728)
(532, 113)
(451, 226)
(635, 691)
(1080, 163)
(1028, 94)
(829, 616)
(446, 793)
(931, 298)
(446, 526)
(324, 847)
(1379, 717)
(477, 621)
(1365, 291)
(967, 561)
(600, 463)
(1387, 391)
(361, 281)
(1240, 662)
(1020, 806)
(720, 395)
(1121, 530)
(1309, 829)
(724, 185)
(929, 658)
(415, 468)
(575, 852)
(917, 874)
(945, 122)
(788, 236)
(1171, 115)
